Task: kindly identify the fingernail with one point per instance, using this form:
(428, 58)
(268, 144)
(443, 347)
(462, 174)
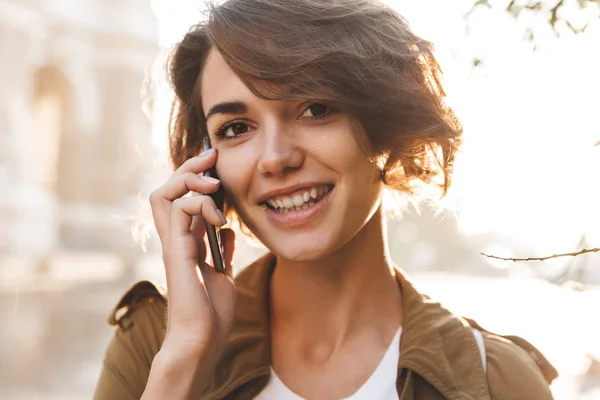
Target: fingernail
(206, 152)
(210, 179)
(223, 219)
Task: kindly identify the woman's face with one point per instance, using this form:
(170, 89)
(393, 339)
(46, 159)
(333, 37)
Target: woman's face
(293, 170)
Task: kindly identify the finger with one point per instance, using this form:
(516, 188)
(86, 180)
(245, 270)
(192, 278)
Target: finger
(211, 276)
(186, 286)
(180, 185)
(218, 287)
(186, 283)
(176, 187)
(199, 163)
(184, 209)
(198, 229)
(228, 244)
(214, 280)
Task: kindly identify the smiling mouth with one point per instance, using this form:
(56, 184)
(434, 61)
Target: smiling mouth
(300, 200)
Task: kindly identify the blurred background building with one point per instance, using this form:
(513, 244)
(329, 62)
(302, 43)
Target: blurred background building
(72, 121)
(83, 111)
(71, 133)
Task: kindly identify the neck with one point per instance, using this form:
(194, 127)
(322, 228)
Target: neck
(331, 299)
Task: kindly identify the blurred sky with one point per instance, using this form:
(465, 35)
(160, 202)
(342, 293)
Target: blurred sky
(529, 169)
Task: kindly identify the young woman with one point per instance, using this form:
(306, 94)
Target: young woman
(314, 109)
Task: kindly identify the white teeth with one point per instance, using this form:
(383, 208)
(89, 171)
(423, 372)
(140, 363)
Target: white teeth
(298, 200)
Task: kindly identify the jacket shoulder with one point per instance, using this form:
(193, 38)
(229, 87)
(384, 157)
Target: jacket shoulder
(516, 370)
(139, 318)
(141, 293)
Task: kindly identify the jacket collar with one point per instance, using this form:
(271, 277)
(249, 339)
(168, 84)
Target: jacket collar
(433, 342)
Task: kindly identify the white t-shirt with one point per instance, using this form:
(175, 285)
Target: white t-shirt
(381, 385)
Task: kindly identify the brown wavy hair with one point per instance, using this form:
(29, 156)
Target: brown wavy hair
(356, 55)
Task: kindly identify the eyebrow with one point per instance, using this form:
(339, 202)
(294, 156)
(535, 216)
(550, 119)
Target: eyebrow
(233, 107)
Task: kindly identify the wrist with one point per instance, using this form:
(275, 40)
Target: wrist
(176, 375)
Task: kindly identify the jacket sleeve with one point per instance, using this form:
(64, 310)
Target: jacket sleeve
(513, 372)
(138, 337)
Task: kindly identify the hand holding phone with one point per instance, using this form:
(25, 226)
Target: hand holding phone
(201, 298)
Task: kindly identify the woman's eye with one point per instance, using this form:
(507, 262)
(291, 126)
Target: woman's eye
(317, 110)
(233, 129)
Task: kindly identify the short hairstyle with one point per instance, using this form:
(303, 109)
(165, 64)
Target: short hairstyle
(359, 56)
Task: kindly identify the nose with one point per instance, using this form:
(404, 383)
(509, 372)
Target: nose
(280, 155)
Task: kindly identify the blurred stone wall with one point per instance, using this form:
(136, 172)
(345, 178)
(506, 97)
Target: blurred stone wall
(71, 125)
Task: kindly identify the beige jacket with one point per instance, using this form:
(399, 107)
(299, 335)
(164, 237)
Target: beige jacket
(439, 358)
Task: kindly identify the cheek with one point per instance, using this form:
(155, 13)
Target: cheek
(361, 175)
(234, 172)
(335, 146)
(351, 159)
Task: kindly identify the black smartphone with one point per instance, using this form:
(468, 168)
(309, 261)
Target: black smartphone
(214, 241)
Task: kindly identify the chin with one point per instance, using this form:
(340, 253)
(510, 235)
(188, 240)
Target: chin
(300, 248)
(300, 254)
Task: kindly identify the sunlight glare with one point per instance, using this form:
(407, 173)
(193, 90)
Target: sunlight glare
(527, 169)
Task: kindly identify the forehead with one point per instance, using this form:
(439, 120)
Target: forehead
(218, 82)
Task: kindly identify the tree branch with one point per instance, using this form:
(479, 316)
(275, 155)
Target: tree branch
(554, 13)
(577, 253)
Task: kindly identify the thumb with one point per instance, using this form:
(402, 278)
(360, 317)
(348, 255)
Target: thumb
(228, 245)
